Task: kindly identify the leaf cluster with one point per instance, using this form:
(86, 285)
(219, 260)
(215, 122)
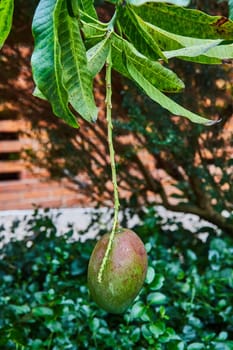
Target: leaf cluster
(186, 302)
(139, 38)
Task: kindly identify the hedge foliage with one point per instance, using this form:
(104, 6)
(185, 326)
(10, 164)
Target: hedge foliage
(186, 302)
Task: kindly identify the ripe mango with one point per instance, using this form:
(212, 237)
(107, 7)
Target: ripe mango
(124, 272)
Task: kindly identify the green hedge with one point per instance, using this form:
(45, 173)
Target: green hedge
(186, 302)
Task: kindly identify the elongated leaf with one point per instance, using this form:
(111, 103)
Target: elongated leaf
(138, 32)
(202, 59)
(162, 99)
(6, 14)
(192, 51)
(46, 60)
(96, 56)
(215, 54)
(222, 52)
(174, 2)
(77, 78)
(186, 22)
(170, 41)
(163, 78)
(159, 76)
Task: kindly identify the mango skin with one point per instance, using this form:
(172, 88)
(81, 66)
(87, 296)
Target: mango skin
(124, 272)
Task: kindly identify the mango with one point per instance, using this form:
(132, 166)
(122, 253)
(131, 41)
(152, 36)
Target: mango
(124, 272)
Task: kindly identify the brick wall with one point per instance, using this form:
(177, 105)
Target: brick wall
(19, 189)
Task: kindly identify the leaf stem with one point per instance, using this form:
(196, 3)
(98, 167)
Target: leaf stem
(112, 161)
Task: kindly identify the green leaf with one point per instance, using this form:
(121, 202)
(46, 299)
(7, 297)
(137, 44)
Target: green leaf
(138, 33)
(157, 282)
(96, 56)
(170, 334)
(46, 60)
(135, 334)
(54, 326)
(137, 310)
(166, 40)
(177, 346)
(169, 41)
(186, 22)
(95, 324)
(192, 51)
(162, 99)
(196, 346)
(150, 274)
(213, 55)
(202, 59)
(77, 79)
(226, 345)
(222, 52)
(6, 14)
(157, 328)
(42, 311)
(156, 298)
(20, 309)
(146, 332)
(222, 336)
(159, 76)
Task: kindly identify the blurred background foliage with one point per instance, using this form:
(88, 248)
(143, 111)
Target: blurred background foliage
(186, 301)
